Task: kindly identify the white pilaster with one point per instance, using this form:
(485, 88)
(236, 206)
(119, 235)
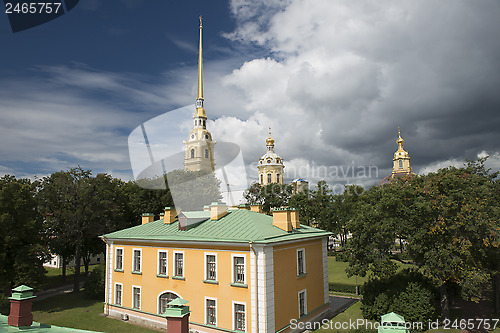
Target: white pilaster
(324, 247)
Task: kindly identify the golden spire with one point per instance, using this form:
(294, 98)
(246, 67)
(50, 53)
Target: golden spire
(200, 111)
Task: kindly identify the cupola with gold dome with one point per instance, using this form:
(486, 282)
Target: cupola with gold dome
(400, 163)
(270, 165)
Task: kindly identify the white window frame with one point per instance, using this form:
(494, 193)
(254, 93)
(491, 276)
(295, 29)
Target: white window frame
(205, 266)
(206, 310)
(233, 315)
(133, 297)
(158, 298)
(114, 295)
(116, 256)
(305, 301)
(158, 262)
(303, 261)
(133, 260)
(174, 270)
(234, 255)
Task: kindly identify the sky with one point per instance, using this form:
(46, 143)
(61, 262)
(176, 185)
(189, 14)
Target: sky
(332, 78)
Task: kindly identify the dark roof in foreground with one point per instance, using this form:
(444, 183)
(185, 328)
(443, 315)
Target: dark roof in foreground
(36, 328)
(239, 226)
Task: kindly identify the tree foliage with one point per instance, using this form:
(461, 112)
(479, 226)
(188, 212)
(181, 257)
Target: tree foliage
(448, 221)
(22, 240)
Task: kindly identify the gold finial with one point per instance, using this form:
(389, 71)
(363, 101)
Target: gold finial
(400, 140)
(270, 141)
(201, 19)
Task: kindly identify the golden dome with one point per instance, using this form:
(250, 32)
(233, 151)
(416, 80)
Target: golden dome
(400, 139)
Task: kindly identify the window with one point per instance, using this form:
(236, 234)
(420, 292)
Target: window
(195, 122)
(302, 303)
(206, 153)
(269, 181)
(179, 264)
(119, 259)
(136, 300)
(211, 311)
(238, 269)
(136, 264)
(192, 153)
(162, 263)
(211, 266)
(118, 293)
(301, 261)
(164, 299)
(239, 317)
(401, 164)
(277, 177)
(261, 178)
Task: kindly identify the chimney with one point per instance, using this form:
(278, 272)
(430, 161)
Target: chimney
(245, 207)
(282, 219)
(20, 306)
(217, 210)
(170, 215)
(256, 208)
(147, 217)
(294, 216)
(206, 208)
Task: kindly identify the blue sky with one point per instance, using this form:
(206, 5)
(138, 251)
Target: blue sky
(334, 80)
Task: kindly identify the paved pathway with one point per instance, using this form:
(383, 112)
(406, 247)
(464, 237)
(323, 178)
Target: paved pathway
(338, 304)
(55, 291)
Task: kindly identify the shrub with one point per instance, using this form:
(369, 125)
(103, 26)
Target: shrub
(94, 286)
(407, 293)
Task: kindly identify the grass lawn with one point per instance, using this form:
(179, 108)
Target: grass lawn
(53, 277)
(76, 311)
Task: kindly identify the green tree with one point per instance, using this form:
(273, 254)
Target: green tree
(22, 240)
(453, 234)
(449, 221)
(79, 208)
(269, 196)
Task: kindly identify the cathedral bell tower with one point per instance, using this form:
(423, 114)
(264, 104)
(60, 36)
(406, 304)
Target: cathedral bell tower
(401, 160)
(199, 145)
(270, 165)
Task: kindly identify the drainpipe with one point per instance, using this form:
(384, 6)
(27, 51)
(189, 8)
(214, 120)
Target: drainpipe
(106, 304)
(256, 288)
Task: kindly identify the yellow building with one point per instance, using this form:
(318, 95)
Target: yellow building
(240, 270)
(270, 165)
(199, 145)
(400, 163)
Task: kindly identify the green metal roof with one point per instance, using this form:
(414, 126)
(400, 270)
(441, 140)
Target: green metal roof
(240, 226)
(392, 318)
(36, 328)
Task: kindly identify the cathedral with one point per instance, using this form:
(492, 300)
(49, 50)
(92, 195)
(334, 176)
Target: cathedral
(270, 165)
(400, 163)
(199, 145)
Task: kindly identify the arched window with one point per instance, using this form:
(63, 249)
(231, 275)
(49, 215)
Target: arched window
(277, 177)
(206, 153)
(261, 178)
(204, 123)
(195, 122)
(401, 164)
(164, 300)
(192, 153)
(269, 178)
